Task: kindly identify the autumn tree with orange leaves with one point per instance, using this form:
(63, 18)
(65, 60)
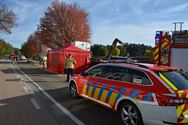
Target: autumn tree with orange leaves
(32, 47)
(62, 24)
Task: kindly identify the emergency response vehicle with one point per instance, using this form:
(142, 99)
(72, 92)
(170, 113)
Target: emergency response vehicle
(171, 49)
(141, 93)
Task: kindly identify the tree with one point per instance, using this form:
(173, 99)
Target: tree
(32, 46)
(17, 51)
(103, 51)
(63, 24)
(5, 48)
(147, 53)
(95, 50)
(7, 19)
(116, 52)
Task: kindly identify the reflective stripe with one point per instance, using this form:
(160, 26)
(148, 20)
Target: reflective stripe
(84, 89)
(180, 93)
(121, 93)
(165, 45)
(95, 86)
(104, 95)
(179, 110)
(168, 82)
(112, 98)
(110, 91)
(102, 89)
(156, 57)
(185, 120)
(186, 112)
(148, 97)
(156, 51)
(90, 90)
(96, 94)
(134, 93)
(89, 83)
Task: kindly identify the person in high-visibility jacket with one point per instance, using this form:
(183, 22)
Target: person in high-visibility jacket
(69, 66)
(44, 61)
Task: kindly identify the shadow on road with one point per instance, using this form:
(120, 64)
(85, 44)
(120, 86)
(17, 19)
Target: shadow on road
(20, 111)
(87, 111)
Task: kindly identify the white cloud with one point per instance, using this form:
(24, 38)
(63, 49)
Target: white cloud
(177, 8)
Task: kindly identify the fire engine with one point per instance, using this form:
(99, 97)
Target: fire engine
(171, 49)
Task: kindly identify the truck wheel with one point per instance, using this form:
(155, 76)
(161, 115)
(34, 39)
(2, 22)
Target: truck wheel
(73, 90)
(130, 114)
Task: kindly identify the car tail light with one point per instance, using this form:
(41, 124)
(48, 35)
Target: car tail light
(170, 101)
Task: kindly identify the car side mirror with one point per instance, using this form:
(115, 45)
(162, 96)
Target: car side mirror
(83, 74)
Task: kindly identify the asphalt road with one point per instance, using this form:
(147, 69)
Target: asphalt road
(18, 105)
(51, 92)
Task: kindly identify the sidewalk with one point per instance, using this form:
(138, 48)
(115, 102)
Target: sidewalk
(17, 103)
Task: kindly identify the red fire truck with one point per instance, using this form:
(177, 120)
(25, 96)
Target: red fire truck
(171, 49)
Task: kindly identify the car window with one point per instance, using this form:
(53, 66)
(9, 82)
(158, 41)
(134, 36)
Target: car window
(178, 79)
(139, 77)
(117, 73)
(96, 71)
(110, 72)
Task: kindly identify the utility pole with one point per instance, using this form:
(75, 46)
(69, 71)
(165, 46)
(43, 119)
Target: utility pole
(175, 23)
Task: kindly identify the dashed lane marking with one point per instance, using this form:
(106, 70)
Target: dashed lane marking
(35, 104)
(26, 89)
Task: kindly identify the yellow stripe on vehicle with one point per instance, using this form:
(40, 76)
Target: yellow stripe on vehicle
(156, 51)
(180, 93)
(156, 57)
(168, 82)
(104, 95)
(90, 91)
(164, 45)
(179, 110)
(96, 94)
(84, 89)
(186, 112)
(185, 120)
(112, 98)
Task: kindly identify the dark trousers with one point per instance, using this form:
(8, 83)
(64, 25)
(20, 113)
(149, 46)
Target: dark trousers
(69, 72)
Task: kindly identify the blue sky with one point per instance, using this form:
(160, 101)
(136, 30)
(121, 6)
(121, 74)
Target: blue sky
(132, 21)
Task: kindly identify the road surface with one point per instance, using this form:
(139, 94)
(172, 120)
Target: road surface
(31, 95)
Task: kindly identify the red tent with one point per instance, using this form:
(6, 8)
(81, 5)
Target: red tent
(56, 59)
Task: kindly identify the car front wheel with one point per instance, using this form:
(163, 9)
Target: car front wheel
(130, 114)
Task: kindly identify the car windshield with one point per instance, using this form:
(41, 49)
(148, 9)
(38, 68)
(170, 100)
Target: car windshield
(178, 79)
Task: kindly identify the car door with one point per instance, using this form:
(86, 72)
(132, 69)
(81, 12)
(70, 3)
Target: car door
(89, 82)
(115, 78)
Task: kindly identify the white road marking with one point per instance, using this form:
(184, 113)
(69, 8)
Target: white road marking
(26, 89)
(62, 108)
(35, 104)
(3, 104)
(21, 82)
